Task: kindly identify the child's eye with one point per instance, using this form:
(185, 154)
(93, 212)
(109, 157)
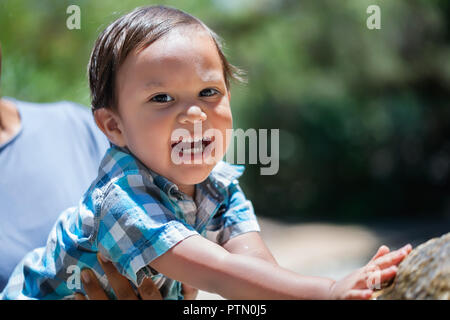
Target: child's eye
(209, 92)
(162, 98)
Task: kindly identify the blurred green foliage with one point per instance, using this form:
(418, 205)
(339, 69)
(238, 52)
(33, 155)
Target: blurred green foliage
(363, 114)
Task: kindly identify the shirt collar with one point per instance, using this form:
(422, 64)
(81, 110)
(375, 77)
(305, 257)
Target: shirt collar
(225, 173)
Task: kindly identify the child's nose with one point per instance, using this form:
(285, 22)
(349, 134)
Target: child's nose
(192, 114)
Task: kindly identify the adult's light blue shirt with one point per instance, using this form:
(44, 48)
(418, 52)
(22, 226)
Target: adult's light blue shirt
(44, 169)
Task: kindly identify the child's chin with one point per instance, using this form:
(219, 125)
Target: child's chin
(195, 174)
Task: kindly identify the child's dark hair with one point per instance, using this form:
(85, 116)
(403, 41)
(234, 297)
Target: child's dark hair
(137, 30)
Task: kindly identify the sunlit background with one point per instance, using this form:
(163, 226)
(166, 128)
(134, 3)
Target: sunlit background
(364, 115)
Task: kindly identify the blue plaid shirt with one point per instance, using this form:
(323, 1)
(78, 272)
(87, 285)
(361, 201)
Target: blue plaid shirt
(131, 215)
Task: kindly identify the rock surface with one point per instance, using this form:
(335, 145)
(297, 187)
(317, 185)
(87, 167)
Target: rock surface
(423, 275)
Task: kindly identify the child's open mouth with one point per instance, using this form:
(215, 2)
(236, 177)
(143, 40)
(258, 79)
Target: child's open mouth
(190, 148)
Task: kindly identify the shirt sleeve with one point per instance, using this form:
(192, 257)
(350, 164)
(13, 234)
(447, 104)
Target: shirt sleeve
(238, 216)
(134, 227)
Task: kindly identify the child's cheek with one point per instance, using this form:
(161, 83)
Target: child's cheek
(224, 114)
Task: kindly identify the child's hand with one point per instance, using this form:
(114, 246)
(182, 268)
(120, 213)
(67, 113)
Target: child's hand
(361, 283)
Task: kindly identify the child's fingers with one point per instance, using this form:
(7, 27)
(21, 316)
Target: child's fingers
(359, 294)
(392, 258)
(388, 274)
(381, 252)
(376, 278)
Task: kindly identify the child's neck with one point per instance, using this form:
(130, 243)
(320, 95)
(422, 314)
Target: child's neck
(188, 189)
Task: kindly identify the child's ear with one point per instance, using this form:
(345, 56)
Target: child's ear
(109, 122)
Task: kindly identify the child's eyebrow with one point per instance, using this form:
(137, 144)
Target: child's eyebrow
(214, 80)
(154, 83)
(212, 77)
(160, 84)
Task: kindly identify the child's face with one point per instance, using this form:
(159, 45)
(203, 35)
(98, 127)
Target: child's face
(174, 82)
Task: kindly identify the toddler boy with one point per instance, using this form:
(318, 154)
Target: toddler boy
(160, 93)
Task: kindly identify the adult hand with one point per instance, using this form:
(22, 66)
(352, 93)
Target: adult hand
(189, 293)
(120, 284)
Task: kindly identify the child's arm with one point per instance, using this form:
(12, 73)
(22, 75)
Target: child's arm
(209, 267)
(250, 244)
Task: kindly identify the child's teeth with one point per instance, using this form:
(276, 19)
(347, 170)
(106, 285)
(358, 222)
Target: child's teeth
(193, 150)
(190, 140)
